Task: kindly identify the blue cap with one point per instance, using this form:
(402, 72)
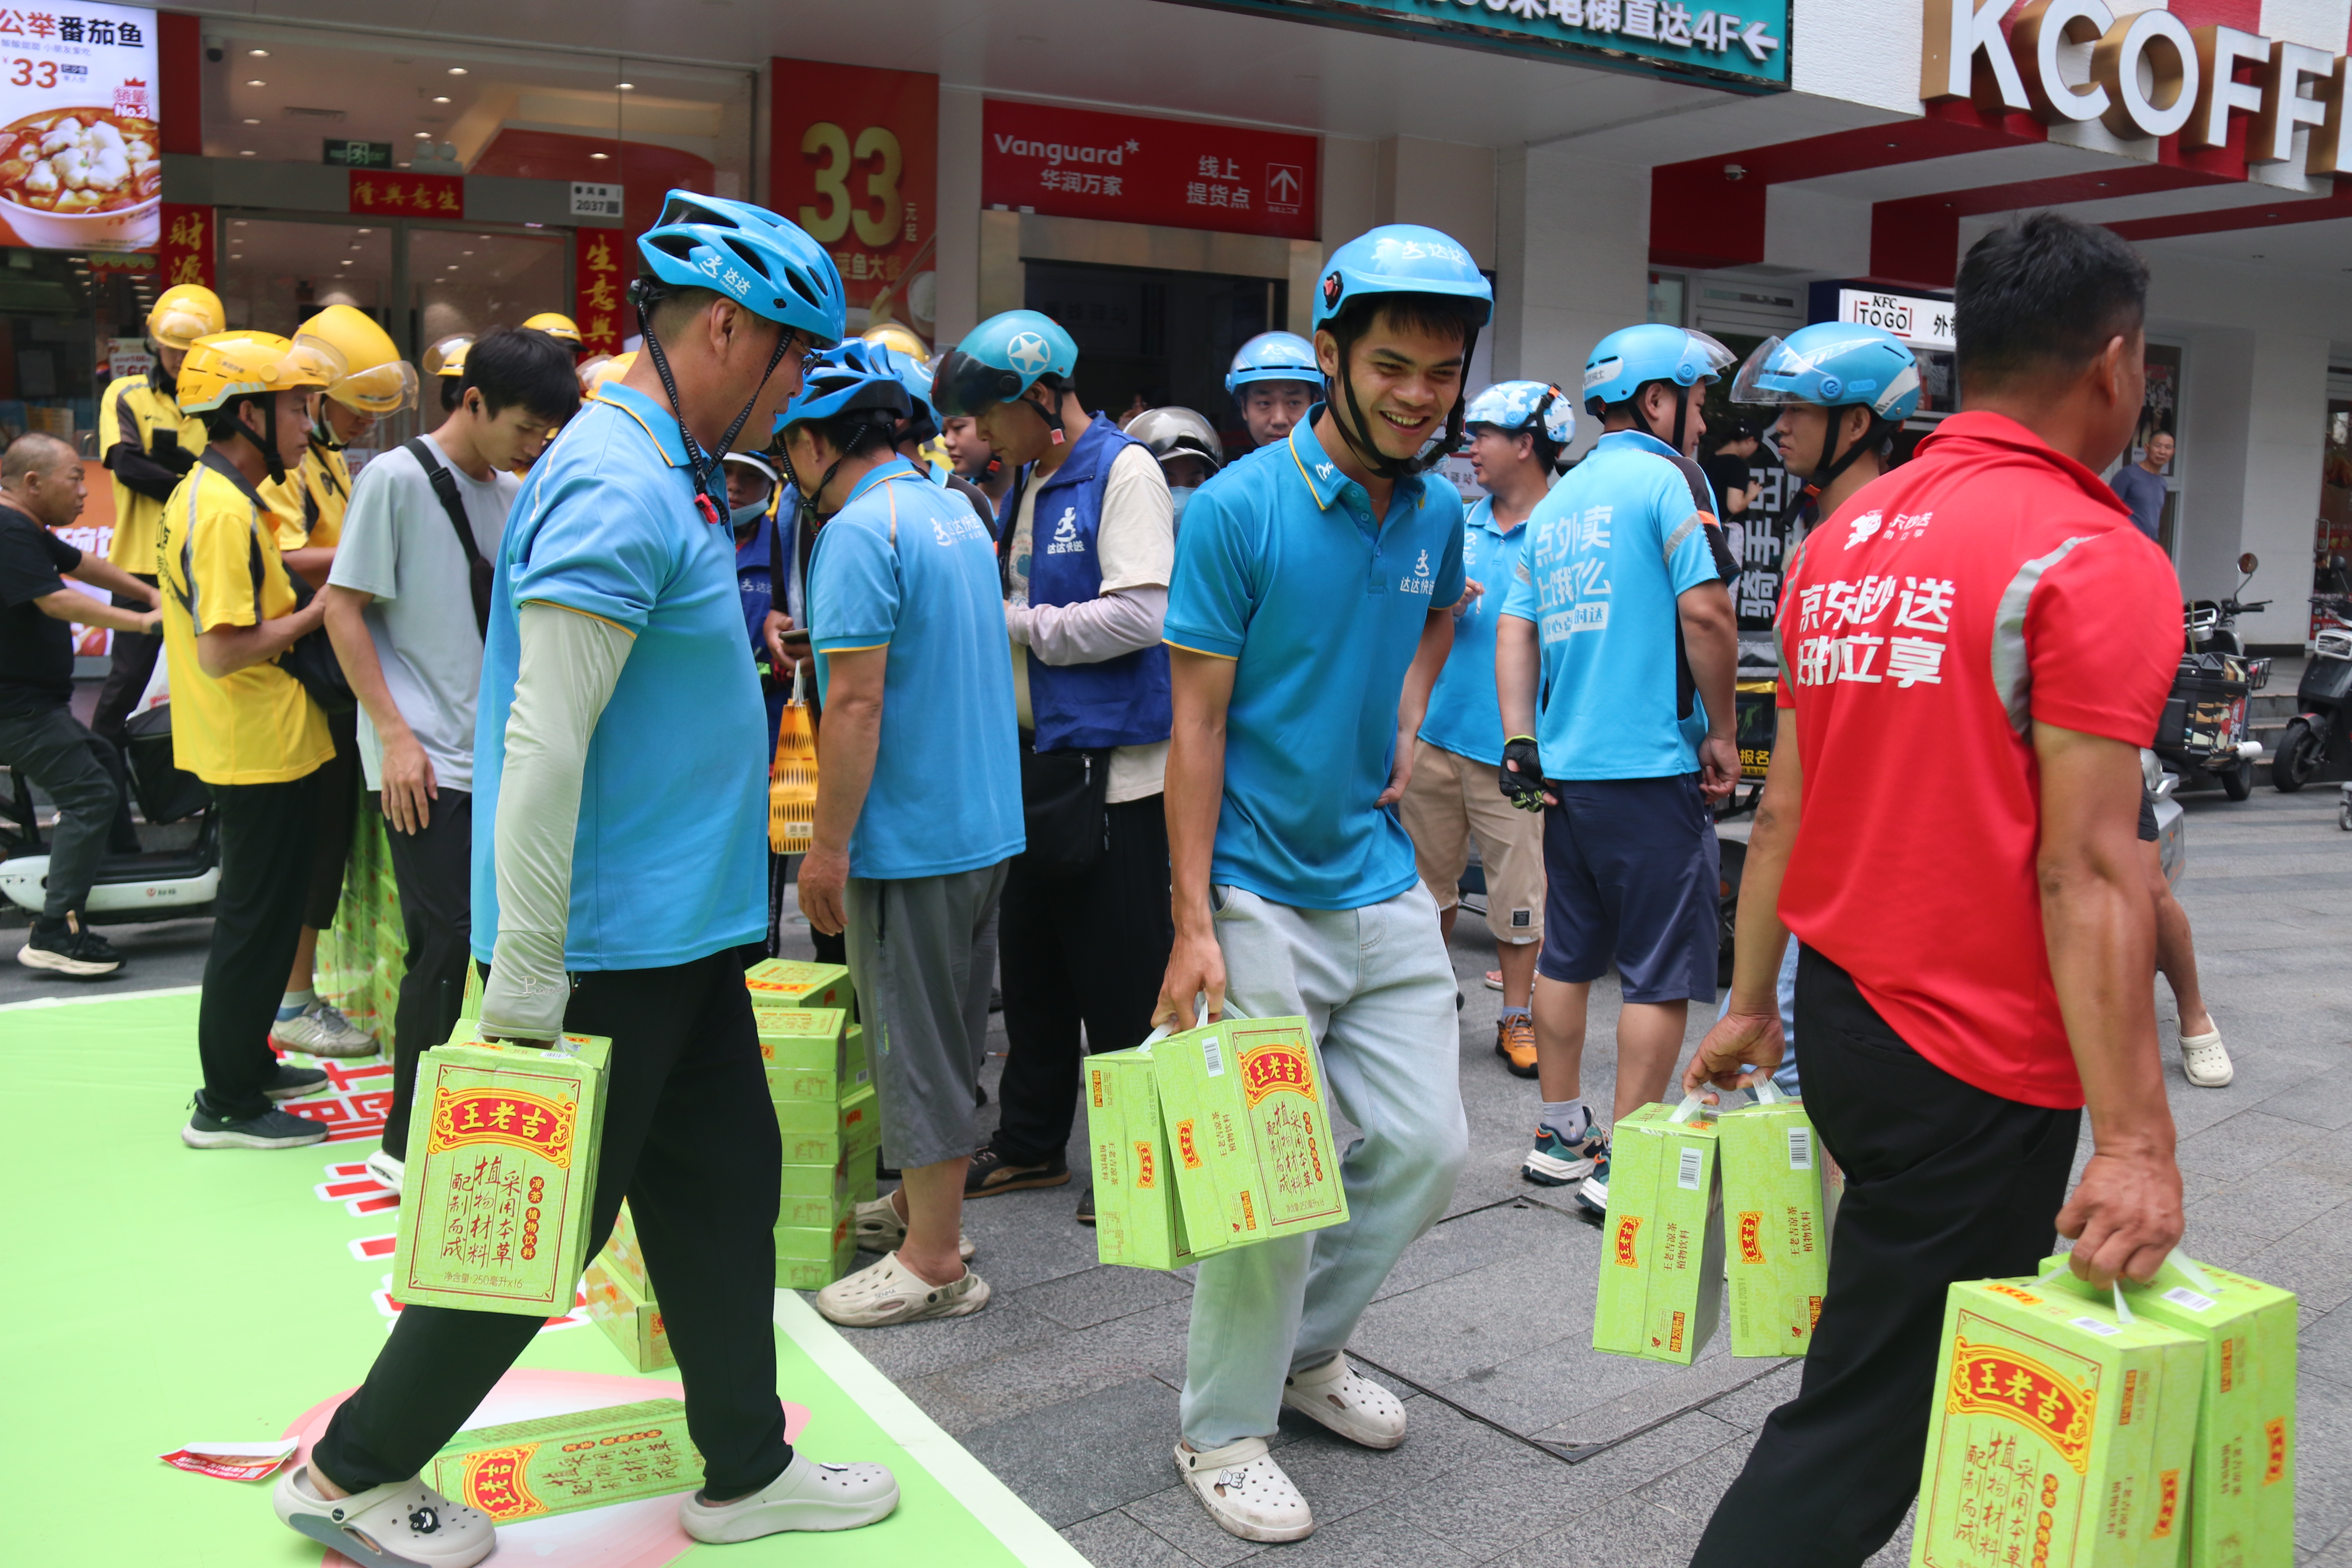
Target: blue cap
(1836, 364)
(1000, 359)
(1632, 357)
(1274, 356)
(747, 253)
(1402, 258)
(1532, 406)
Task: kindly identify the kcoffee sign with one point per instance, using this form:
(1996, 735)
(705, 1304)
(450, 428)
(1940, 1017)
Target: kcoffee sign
(1081, 162)
(2192, 85)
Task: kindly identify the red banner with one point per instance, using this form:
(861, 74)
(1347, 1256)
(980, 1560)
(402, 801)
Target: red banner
(395, 195)
(599, 281)
(1081, 162)
(857, 158)
(185, 254)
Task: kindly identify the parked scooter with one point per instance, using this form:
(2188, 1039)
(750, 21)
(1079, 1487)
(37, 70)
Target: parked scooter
(2322, 725)
(2204, 730)
(164, 884)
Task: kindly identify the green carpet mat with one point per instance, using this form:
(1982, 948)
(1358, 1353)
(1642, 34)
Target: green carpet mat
(159, 1296)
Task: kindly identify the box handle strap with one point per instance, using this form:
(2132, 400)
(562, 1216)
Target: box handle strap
(1765, 1091)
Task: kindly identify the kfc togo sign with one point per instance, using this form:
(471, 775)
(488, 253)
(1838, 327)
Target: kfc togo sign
(2152, 75)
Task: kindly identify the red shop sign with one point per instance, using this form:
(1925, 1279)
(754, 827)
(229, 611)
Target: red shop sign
(855, 151)
(1081, 162)
(603, 260)
(395, 195)
(186, 252)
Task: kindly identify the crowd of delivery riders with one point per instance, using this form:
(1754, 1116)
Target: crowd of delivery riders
(1258, 707)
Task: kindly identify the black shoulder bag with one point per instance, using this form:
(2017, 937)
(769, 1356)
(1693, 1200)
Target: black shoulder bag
(311, 658)
(445, 488)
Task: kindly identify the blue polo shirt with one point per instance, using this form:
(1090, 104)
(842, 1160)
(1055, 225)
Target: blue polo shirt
(669, 861)
(1463, 716)
(1281, 568)
(908, 567)
(1607, 552)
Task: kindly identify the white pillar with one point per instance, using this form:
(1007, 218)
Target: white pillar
(958, 217)
(1573, 264)
(2253, 436)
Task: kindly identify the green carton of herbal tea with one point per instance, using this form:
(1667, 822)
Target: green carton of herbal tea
(1139, 1221)
(793, 982)
(494, 1212)
(1776, 1252)
(2241, 1503)
(561, 1464)
(810, 1258)
(2061, 1431)
(1661, 1289)
(805, 1052)
(626, 1311)
(1248, 1122)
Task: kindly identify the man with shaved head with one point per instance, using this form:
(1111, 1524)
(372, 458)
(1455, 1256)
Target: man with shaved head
(41, 489)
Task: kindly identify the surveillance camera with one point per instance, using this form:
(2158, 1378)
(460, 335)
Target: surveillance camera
(213, 53)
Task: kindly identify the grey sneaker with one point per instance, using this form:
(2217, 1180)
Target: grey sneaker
(293, 1083)
(320, 1030)
(273, 1128)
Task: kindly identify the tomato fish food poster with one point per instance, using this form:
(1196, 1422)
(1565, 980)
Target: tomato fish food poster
(81, 158)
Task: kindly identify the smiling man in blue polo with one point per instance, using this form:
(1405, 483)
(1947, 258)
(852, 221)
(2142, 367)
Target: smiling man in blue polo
(1308, 617)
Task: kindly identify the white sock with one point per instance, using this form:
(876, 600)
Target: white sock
(293, 1003)
(1569, 1117)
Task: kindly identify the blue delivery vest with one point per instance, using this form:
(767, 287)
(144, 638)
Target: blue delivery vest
(1120, 701)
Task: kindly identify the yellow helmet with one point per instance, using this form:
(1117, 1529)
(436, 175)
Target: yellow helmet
(597, 372)
(899, 339)
(447, 356)
(230, 364)
(379, 381)
(184, 312)
(556, 325)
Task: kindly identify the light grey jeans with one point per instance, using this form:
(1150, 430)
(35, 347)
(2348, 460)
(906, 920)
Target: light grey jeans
(1377, 988)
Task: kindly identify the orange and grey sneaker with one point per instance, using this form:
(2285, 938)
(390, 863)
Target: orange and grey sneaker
(1514, 1042)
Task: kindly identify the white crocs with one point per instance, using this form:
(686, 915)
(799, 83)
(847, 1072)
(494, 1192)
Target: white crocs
(807, 1495)
(1245, 1491)
(1348, 1403)
(2205, 1062)
(879, 1230)
(890, 1292)
(404, 1524)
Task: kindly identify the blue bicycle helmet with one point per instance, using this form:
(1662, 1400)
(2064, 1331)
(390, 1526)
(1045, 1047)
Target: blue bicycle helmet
(1632, 357)
(763, 262)
(1000, 359)
(845, 381)
(1274, 356)
(1532, 406)
(1400, 259)
(1834, 364)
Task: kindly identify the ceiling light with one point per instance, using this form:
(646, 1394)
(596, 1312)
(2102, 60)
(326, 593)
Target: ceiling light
(253, 122)
(256, 82)
(625, 87)
(236, 222)
(444, 97)
(345, 262)
(422, 135)
(457, 70)
(245, 152)
(600, 157)
(464, 253)
(364, 231)
(259, 54)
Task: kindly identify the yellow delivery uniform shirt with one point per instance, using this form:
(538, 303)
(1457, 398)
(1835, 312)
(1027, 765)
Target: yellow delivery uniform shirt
(257, 725)
(310, 501)
(131, 412)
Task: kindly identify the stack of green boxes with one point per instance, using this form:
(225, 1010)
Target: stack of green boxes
(826, 1112)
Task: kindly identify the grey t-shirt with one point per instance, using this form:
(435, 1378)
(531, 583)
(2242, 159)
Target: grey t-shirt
(398, 545)
(2142, 492)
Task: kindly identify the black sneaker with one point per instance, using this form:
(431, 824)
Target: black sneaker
(293, 1083)
(989, 1174)
(69, 947)
(273, 1128)
(1086, 1208)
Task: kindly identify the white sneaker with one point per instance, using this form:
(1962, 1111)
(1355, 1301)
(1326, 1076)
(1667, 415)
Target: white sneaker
(2205, 1062)
(890, 1292)
(1245, 1491)
(404, 1524)
(879, 1230)
(807, 1495)
(320, 1030)
(1348, 1403)
(386, 1168)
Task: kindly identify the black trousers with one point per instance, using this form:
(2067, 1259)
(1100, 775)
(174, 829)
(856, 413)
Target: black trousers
(133, 661)
(52, 748)
(265, 844)
(690, 1139)
(1086, 949)
(1944, 1183)
(331, 832)
(433, 870)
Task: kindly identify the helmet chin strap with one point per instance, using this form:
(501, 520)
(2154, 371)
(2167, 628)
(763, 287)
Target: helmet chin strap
(267, 443)
(808, 496)
(705, 466)
(1834, 462)
(1359, 439)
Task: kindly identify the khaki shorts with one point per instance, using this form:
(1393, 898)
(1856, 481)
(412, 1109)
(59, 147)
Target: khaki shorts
(1451, 798)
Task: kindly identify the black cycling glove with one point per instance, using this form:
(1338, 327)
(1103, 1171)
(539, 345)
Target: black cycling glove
(1524, 788)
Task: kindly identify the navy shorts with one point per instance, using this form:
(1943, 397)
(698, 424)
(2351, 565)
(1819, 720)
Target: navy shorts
(1630, 868)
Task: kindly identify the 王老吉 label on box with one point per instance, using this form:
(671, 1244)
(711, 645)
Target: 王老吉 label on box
(1776, 1238)
(561, 1464)
(1248, 1125)
(501, 1175)
(794, 982)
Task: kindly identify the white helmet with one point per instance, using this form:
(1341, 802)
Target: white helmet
(1178, 433)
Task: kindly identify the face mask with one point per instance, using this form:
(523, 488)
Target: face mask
(1180, 494)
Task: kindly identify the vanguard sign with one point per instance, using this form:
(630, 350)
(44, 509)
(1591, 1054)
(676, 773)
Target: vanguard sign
(2151, 75)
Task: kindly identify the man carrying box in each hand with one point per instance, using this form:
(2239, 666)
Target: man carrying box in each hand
(621, 840)
(1309, 618)
(1973, 648)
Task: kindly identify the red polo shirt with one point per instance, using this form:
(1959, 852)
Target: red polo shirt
(1986, 585)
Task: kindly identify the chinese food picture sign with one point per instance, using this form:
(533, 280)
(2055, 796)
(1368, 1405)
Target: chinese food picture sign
(80, 164)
